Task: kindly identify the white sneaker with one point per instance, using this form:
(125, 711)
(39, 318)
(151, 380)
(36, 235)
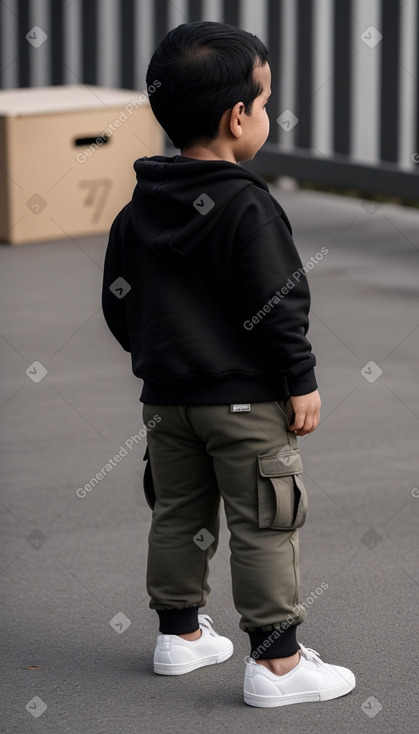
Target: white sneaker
(175, 656)
(310, 680)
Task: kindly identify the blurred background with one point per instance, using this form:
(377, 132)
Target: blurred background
(345, 74)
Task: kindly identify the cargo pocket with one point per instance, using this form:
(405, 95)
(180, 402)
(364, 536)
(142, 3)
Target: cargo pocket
(282, 497)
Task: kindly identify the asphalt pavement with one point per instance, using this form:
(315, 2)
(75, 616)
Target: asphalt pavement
(77, 633)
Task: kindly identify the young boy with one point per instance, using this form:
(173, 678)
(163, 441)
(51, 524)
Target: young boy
(214, 311)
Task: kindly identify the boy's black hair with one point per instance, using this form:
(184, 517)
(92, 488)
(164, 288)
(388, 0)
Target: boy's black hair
(204, 69)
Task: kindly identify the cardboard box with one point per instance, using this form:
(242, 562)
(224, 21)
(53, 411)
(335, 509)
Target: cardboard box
(66, 158)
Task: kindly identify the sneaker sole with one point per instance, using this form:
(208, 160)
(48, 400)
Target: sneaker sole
(182, 668)
(254, 699)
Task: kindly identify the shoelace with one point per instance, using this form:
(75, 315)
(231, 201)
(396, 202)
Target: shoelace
(206, 621)
(311, 655)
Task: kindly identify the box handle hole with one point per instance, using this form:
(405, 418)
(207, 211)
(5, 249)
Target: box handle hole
(92, 140)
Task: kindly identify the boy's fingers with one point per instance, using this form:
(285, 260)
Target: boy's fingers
(306, 413)
(304, 431)
(304, 423)
(299, 420)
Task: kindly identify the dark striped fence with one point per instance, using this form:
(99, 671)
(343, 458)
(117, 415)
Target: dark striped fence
(344, 109)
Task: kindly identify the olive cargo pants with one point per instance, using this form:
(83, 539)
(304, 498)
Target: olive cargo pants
(251, 459)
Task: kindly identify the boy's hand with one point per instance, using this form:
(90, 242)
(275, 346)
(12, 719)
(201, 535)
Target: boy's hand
(307, 413)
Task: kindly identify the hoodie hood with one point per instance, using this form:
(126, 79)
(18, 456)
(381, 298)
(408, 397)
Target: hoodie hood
(178, 201)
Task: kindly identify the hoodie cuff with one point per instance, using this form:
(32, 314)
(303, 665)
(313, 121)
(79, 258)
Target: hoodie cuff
(302, 384)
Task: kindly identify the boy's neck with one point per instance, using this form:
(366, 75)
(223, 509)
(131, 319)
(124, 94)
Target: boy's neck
(212, 153)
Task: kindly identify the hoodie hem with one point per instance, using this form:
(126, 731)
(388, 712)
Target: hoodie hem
(213, 391)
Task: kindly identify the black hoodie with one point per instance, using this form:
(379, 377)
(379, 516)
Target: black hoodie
(204, 286)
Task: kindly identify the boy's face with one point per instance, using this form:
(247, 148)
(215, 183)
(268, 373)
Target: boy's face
(256, 125)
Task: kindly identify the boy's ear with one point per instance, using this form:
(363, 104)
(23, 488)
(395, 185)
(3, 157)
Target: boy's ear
(236, 116)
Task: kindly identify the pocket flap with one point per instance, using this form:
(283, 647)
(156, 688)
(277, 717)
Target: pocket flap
(280, 463)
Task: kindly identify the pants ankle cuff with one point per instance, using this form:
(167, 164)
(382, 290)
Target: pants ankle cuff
(273, 643)
(178, 621)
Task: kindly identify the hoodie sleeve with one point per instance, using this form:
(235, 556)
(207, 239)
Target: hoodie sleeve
(113, 295)
(275, 296)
